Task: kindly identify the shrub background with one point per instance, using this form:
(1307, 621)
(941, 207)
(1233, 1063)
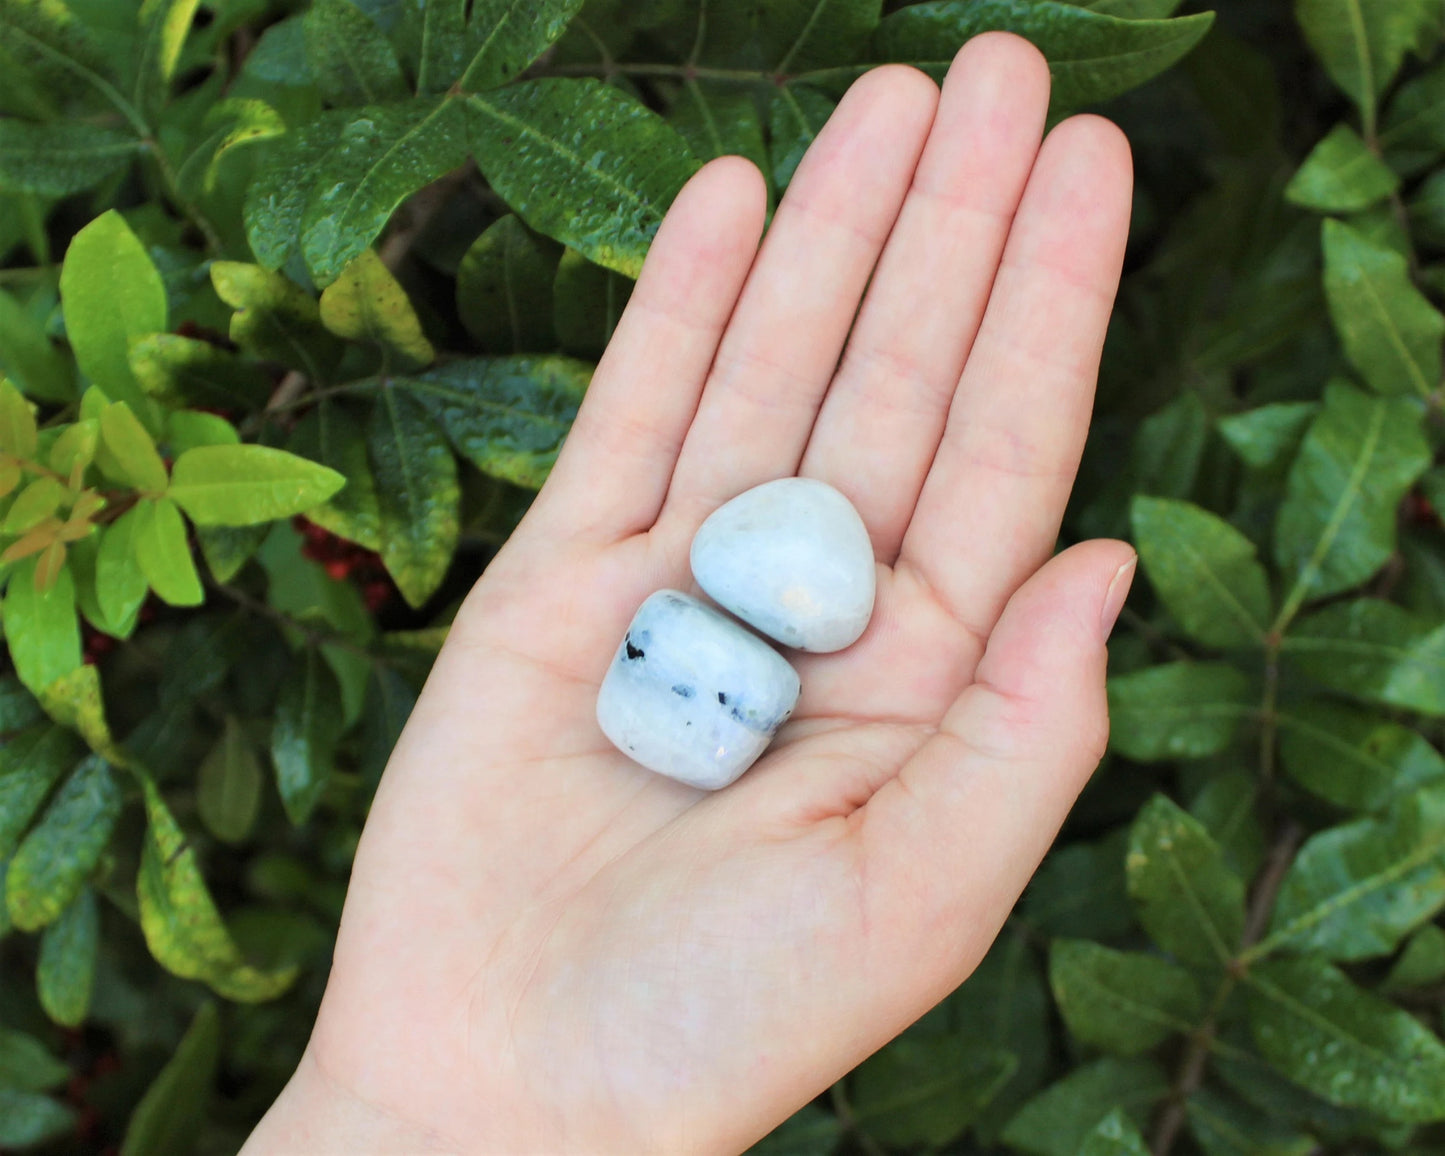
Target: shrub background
(251, 250)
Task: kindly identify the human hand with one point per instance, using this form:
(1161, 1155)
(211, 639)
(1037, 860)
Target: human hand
(546, 948)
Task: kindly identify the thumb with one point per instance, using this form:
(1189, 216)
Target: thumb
(955, 837)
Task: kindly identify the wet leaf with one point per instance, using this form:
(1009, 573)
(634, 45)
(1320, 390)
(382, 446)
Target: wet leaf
(507, 415)
(1125, 1002)
(1350, 1047)
(1186, 898)
(504, 289)
(582, 163)
(417, 491)
(1181, 710)
(367, 303)
(1354, 759)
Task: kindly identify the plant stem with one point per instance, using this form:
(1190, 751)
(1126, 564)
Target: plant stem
(1196, 1057)
(173, 190)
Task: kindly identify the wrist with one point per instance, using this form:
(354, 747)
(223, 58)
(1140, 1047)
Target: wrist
(317, 1116)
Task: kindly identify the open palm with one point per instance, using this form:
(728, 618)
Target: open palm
(548, 949)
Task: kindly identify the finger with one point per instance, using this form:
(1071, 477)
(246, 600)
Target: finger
(958, 833)
(884, 413)
(990, 509)
(784, 340)
(613, 473)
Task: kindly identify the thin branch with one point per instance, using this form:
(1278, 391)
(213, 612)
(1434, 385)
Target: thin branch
(1196, 1057)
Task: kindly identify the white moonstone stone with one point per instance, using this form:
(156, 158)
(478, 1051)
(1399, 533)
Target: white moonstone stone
(791, 558)
(691, 694)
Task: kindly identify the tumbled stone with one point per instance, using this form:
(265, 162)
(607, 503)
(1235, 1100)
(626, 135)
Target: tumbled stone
(693, 695)
(792, 559)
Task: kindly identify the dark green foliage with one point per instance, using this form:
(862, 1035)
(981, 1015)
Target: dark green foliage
(298, 301)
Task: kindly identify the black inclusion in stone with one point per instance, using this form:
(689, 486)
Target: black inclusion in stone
(682, 691)
(633, 652)
(722, 698)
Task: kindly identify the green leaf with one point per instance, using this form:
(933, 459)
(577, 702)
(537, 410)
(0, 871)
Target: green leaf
(331, 435)
(1189, 902)
(1374, 651)
(1204, 570)
(367, 303)
(65, 973)
(1005, 1005)
(164, 25)
(718, 119)
(179, 919)
(112, 293)
(432, 40)
(1224, 1126)
(1350, 1047)
(1227, 806)
(1414, 126)
(28, 1118)
(388, 704)
(507, 415)
(1341, 175)
(1091, 57)
(32, 505)
(1266, 436)
(41, 630)
(27, 1065)
(241, 485)
(1058, 1121)
(1353, 759)
(1114, 1135)
(189, 429)
(1422, 962)
(1181, 710)
(132, 448)
(233, 123)
(1124, 1002)
(227, 549)
(28, 357)
(18, 708)
(228, 785)
(171, 1114)
(120, 583)
(1390, 332)
(46, 39)
(587, 303)
(508, 35)
(504, 289)
(163, 552)
(30, 764)
(799, 35)
(1336, 525)
(308, 727)
(74, 701)
(1361, 43)
(58, 160)
(350, 58)
(49, 869)
(795, 119)
(926, 1090)
(18, 431)
(1079, 891)
(380, 157)
(276, 198)
(417, 490)
(581, 162)
(1357, 890)
(183, 371)
(275, 320)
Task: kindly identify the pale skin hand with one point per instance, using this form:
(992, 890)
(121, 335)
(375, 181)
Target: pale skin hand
(547, 949)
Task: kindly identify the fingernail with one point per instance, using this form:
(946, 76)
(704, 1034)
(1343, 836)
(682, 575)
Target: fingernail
(1118, 591)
